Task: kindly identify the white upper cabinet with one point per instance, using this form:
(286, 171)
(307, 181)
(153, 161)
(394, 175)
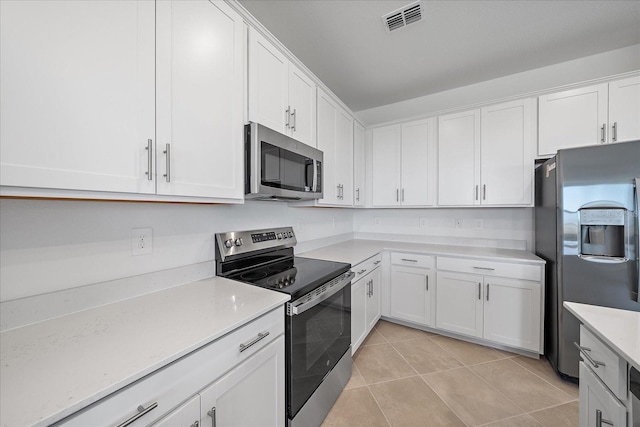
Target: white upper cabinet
(404, 164)
(507, 145)
(128, 97)
(359, 156)
(592, 115)
(486, 156)
(335, 139)
(281, 96)
(77, 95)
(458, 159)
(199, 99)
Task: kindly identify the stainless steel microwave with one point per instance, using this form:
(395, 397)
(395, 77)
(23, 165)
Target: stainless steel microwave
(278, 167)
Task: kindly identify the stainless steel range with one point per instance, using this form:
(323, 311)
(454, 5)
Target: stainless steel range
(317, 319)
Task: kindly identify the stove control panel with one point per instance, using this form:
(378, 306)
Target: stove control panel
(244, 242)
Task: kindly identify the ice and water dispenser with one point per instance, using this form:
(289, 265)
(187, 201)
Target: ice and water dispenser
(603, 233)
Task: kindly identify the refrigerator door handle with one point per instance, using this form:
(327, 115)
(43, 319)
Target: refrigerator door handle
(636, 190)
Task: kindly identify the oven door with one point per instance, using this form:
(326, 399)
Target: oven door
(318, 335)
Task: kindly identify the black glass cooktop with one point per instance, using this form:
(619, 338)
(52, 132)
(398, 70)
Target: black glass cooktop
(295, 276)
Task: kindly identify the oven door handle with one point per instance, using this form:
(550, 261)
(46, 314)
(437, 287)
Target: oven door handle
(305, 303)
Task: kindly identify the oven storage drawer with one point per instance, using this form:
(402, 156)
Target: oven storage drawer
(413, 260)
(366, 266)
(491, 268)
(612, 371)
(168, 387)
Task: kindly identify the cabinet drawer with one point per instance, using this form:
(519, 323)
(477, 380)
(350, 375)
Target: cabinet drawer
(366, 266)
(173, 384)
(491, 268)
(613, 369)
(598, 407)
(413, 260)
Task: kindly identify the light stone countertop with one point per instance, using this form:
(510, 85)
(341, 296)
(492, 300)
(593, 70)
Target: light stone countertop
(51, 369)
(619, 329)
(357, 250)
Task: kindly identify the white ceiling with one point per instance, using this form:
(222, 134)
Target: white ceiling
(457, 43)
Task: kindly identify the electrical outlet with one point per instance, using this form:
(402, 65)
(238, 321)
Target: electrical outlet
(141, 241)
(376, 221)
(479, 223)
(423, 222)
(457, 223)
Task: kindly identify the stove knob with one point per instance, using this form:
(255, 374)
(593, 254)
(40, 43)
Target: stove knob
(291, 234)
(228, 244)
(239, 242)
(279, 236)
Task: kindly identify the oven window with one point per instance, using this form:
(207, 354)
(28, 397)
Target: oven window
(285, 169)
(318, 338)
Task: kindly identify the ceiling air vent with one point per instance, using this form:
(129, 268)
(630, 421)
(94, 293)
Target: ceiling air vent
(402, 17)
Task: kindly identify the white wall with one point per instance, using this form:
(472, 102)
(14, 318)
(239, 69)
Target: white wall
(579, 70)
(510, 228)
(48, 245)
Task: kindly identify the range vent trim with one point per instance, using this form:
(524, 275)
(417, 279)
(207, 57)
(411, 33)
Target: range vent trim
(402, 17)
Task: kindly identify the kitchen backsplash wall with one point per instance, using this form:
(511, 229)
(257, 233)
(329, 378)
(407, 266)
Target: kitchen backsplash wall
(510, 228)
(48, 245)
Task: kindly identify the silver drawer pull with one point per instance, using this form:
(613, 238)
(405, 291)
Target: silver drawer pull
(409, 260)
(362, 271)
(583, 351)
(484, 268)
(260, 336)
(600, 420)
(377, 262)
(195, 424)
(141, 413)
(212, 414)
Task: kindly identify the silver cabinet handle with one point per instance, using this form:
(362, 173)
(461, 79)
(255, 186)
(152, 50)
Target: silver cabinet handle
(403, 194)
(476, 192)
(167, 151)
(484, 191)
(409, 260)
(261, 336)
(427, 282)
(479, 290)
(583, 351)
(487, 292)
(484, 268)
(397, 194)
(195, 424)
(357, 194)
(600, 420)
(614, 132)
(287, 114)
(212, 414)
(293, 126)
(338, 191)
(362, 271)
(602, 131)
(370, 288)
(149, 149)
(377, 262)
(142, 411)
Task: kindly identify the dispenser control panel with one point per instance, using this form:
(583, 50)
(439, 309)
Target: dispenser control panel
(602, 216)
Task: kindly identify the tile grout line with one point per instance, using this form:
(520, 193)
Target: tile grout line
(545, 380)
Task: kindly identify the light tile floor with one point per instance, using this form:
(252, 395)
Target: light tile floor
(406, 377)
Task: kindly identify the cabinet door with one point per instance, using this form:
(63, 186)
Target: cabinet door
(326, 128)
(512, 312)
(251, 394)
(408, 294)
(268, 83)
(344, 156)
(507, 153)
(77, 94)
(187, 414)
(359, 297)
(418, 170)
(624, 110)
(373, 300)
(358, 165)
(597, 403)
(458, 159)
(386, 166)
(302, 102)
(199, 99)
(459, 303)
(572, 118)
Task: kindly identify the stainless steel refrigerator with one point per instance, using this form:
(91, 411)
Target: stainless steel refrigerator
(586, 228)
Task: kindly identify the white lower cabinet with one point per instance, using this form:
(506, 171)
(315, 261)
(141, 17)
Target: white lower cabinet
(365, 300)
(459, 303)
(598, 406)
(412, 288)
(239, 378)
